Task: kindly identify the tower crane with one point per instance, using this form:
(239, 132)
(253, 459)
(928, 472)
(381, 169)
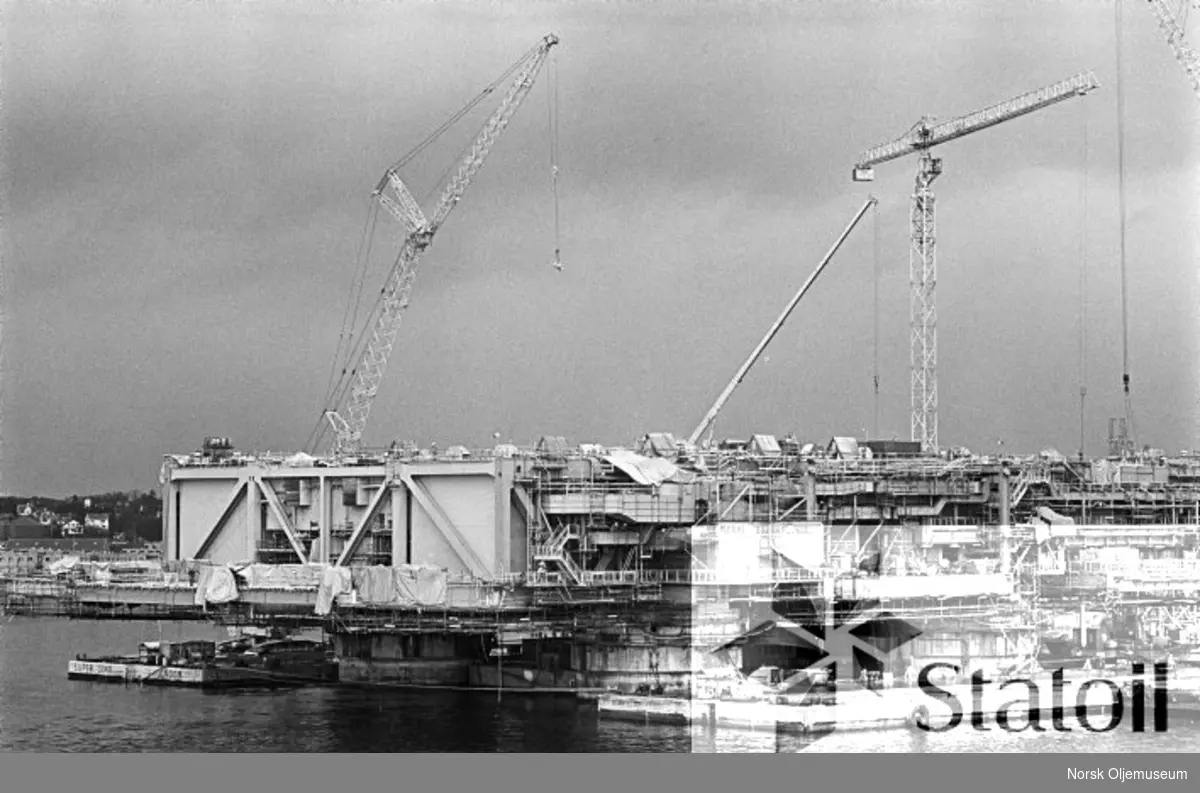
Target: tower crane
(1172, 25)
(923, 136)
(391, 192)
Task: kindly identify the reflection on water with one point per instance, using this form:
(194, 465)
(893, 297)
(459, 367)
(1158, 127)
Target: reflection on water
(40, 710)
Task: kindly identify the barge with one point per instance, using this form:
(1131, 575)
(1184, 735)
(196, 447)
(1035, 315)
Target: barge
(245, 661)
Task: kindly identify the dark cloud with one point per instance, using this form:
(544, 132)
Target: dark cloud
(187, 187)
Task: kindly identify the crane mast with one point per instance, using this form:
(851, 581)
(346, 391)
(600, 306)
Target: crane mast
(1188, 58)
(923, 238)
(394, 196)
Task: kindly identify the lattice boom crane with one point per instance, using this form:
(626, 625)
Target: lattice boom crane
(922, 261)
(394, 196)
(1171, 25)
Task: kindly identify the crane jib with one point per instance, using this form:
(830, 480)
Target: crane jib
(923, 250)
(925, 135)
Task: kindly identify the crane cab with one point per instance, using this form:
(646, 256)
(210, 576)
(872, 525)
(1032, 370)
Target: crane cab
(864, 174)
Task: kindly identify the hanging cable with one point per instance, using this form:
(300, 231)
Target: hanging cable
(344, 340)
(453, 120)
(354, 357)
(552, 124)
(1083, 252)
(875, 343)
(1129, 428)
(365, 257)
(420, 147)
(361, 283)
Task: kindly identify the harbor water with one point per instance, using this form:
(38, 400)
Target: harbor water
(42, 711)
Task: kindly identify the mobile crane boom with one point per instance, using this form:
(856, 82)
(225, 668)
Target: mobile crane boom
(707, 422)
(394, 196)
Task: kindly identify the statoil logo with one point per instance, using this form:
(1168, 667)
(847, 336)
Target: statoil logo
(836, 642)
(1100, 704)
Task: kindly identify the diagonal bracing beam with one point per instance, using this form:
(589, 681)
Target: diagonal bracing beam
(360, 530)
(281, 516)
(235, 498)
(444, 525)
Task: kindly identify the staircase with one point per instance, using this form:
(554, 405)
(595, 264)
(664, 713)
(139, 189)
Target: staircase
(1025, 479)
(555, 550)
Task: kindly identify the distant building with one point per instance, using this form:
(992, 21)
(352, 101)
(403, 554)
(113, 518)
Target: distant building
(72, 528)
(97, 521)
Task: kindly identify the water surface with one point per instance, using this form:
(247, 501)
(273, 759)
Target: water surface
(42, 711)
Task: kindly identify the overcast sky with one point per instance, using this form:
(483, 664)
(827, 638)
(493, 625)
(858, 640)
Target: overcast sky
(186, 187)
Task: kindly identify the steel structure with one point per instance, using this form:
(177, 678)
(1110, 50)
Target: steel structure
(922, 254)
(1171, 25)
(420, 230)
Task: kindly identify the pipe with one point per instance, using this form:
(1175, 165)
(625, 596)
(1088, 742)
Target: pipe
(711, 416)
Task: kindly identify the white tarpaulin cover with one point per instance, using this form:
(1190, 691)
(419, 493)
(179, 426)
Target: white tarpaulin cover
(424, 585)
(646, 470)
(406, 585)
(281, 576)
(300, 460)
(335, 581)
(215, 584)
(373, 584)
(1050, 516)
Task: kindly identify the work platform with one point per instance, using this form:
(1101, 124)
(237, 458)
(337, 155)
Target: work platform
(559, 521)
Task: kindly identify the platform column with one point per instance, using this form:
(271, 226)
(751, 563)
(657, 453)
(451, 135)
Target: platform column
(323, 520)
(400, 527)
